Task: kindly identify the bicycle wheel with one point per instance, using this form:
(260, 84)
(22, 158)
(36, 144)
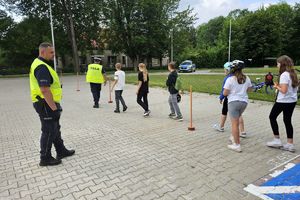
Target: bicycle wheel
(254, 86)
(269, 89)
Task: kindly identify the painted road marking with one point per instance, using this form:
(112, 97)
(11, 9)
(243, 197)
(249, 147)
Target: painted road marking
(283, 184)
(285, 163)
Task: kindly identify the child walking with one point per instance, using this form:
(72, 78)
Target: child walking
(235, 89)
(285, 102)
(171, 81)
(224, 102)
(143, 88)
(119, 84)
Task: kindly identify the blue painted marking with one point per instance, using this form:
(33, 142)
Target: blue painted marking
(291, 177)
(294, 196)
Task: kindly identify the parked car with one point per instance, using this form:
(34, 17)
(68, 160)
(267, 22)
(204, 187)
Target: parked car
(187, 66)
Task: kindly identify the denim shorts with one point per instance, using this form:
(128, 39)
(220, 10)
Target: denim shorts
(236, 108)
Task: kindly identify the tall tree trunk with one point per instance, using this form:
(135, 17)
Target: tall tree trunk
(70, 26)
(133, 63)
(160, 62)
(149, 62)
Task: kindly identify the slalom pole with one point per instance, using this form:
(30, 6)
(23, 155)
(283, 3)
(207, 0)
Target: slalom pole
(77, 83)
(191, 128)
(109, 90)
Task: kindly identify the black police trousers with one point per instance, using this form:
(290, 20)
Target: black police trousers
(96, 89)
(50, 129)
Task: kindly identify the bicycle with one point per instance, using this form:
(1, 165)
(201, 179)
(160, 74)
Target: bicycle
(257, 86)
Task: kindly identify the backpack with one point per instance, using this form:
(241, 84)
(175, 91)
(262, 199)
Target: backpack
(178, 84)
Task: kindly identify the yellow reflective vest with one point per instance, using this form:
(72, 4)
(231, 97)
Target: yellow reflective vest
(94, 74)
(35, 90)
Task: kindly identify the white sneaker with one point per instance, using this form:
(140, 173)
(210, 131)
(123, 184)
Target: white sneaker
(218, 128)
(147, 113)
(276, 142)
(235, 147)
(288, 147)
(243, 135)
(231, 139)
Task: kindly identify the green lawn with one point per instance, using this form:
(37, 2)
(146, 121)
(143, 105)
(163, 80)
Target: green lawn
(274, 70)
(203, 83)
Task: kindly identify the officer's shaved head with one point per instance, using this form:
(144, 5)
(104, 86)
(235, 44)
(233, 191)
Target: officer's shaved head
(45, 45)
(46, 51)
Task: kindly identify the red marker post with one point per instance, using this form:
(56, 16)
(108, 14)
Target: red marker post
(77, 83)
(109, 90)
(191, 128)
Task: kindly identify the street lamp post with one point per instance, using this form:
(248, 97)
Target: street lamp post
(229, 41)
(52, 33)
(171, 45)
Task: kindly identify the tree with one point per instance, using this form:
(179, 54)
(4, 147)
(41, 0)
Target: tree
(294, 50)
(285, 26)
(144, 26)
(262, 39)
(6, 23)
(208, 34)
(21, 42)
(78, 19)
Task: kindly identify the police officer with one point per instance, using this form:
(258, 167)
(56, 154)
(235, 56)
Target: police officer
(96, 76)
(46, 93)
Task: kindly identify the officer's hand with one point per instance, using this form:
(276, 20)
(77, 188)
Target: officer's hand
(56, 114)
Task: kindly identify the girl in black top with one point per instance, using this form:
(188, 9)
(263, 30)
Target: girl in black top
(143, 88)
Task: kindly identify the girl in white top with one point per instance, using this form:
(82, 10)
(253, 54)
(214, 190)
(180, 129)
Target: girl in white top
(285, 102)
(235, 89)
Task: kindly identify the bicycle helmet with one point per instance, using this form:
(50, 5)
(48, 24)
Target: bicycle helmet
(227, 66)
(238, 64)
(178, 98)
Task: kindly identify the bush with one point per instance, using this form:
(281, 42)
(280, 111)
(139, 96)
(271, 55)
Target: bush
(210, 58)
(13, 70)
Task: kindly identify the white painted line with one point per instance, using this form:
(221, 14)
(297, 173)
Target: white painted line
(278, 189)
(253, 190)
(278, 172)
(284, 163)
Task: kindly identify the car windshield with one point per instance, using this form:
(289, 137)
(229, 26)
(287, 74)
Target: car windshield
(186, 63)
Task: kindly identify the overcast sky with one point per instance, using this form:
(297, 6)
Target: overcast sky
(208, 9)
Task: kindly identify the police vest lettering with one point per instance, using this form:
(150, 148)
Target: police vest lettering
(94, 74)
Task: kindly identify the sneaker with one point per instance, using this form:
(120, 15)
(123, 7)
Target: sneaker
(288, 147)
(116, 111)
(235, 147)
(96, 106)
(276, 143)
(171, 115)
(231, 139)
(147, 113)
(178, 118)
(243, 135)
(218, 128)
(125, 108)
(50, 161)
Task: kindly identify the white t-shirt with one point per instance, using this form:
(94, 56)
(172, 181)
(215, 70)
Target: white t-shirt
(237, 92)
(291, 95)
(120, 76)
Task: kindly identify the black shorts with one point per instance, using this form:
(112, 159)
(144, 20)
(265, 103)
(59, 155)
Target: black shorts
(225, 106)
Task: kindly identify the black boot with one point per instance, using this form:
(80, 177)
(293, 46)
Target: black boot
(49, 161)
(65, 153)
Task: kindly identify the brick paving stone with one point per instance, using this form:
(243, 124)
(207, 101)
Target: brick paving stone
(126, 156)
